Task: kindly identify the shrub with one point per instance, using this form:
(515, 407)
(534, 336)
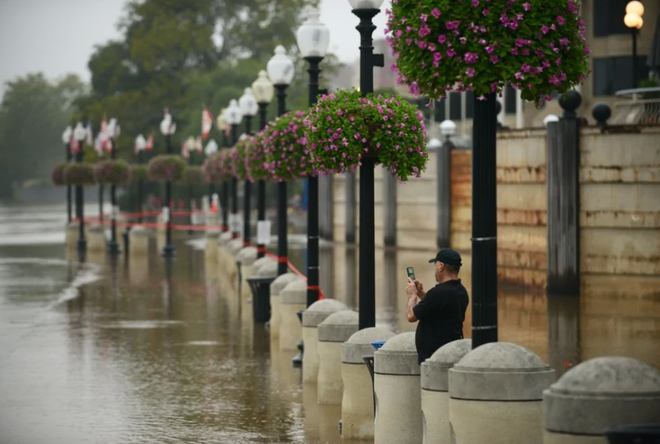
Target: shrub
(286, 154)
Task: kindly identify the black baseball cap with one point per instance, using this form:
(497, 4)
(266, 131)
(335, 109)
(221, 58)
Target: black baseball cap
(447, 256)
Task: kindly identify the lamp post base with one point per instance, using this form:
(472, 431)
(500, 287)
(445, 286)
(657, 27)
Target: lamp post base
(168, 251)
(297, 360)
(113, 248)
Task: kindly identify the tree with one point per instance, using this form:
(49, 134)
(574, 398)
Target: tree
(33, 114)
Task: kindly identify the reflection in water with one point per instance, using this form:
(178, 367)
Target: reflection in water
(159, 351)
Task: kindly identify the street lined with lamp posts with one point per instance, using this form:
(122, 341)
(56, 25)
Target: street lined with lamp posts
(211, 306)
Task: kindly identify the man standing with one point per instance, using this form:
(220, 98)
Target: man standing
(441, 311)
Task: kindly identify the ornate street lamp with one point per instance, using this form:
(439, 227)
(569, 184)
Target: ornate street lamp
(140, 147)
(633, 20)
(168, 128)
(313, 39)
(234, 117)
(189, 152)
(211, 149)
(221, 123)
(66, 140)
(280, 71)
(79, 134)
(366, 10)
(249, 108)
(264, 91)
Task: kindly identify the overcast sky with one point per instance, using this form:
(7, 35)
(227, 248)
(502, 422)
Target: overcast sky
(58, 36)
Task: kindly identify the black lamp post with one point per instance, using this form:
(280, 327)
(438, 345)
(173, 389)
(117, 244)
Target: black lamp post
(140, 146)
(79, 134)
(113, 133)
(280, 71)
(249, 108)
(366, 10)
(633, 20)
(263, 92)
(66, 139)
(313, 39)
(221, 123)
(168, 128)
(190, 148)
(234, 117)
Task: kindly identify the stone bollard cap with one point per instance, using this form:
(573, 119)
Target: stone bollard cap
(260, 263)
(282, 281)
(96, 229)
(212, 234)
(359, 344)
(224, 237)
(601, 393)
(234, 246)
(339, 326)
(139, 231)
(435, 370)
(247, 255)
(268, 270)
(295, 293)
(398, 356)
(500, 371)
(320, 310)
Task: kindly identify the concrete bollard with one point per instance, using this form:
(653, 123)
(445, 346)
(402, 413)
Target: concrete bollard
(357, 405)
(139, 241)
(262, 277)
(333, 332)
(435, 390)
(224, 238)
(211, 250)
(312, 317)
(598, 394)
(293, 298)
(246, 257)
(275, 290)
(233, 247)
(501, 384)
(398, 398)
(96, 239)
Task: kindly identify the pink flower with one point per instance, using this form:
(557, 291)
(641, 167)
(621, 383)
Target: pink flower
(475, 3)
(527, 6)
(436, 13)
(494, 59)
(544, 29)
(471, 58)
(519, 75)
(442, 38)
(470, 72)
(560, 20)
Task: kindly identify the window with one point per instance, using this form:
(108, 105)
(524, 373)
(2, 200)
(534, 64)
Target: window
(509, 100)
(455, 105)
(613, 74)
(608, 17)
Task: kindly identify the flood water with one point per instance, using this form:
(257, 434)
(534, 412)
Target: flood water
(157, 351)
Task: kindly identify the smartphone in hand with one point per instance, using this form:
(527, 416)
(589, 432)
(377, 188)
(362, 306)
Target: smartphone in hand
(411, 273)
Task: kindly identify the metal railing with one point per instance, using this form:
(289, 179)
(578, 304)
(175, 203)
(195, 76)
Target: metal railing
(640, 106)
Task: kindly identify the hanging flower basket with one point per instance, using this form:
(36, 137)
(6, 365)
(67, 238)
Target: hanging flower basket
(345, 127)
(138, 173)
(79, 174)
(192, 175)
(538, 46)
(112, 172)
(216, 167)
(166, 168)
(57, 174)
(254, 158)
(285, 147)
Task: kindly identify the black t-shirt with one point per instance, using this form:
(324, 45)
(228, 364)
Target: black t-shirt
(441, 314)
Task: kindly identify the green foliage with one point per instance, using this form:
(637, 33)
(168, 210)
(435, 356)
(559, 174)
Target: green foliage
(79, 174)
(33, 115)
(192, 175)
(166, 168)
(538, 46)
(345, 127)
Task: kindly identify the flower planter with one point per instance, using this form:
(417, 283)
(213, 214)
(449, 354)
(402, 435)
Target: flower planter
(216, 167)
(345, 127)
(286, 152)
(166, 168)
(79, 174)
(57, 174)
(112, 172)
(192, 175)
(138, 173)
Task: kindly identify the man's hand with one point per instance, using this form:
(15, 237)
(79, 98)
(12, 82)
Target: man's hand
(411, 288)
(420, 289)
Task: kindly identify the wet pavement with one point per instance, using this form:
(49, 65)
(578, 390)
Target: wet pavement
(150, 351)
